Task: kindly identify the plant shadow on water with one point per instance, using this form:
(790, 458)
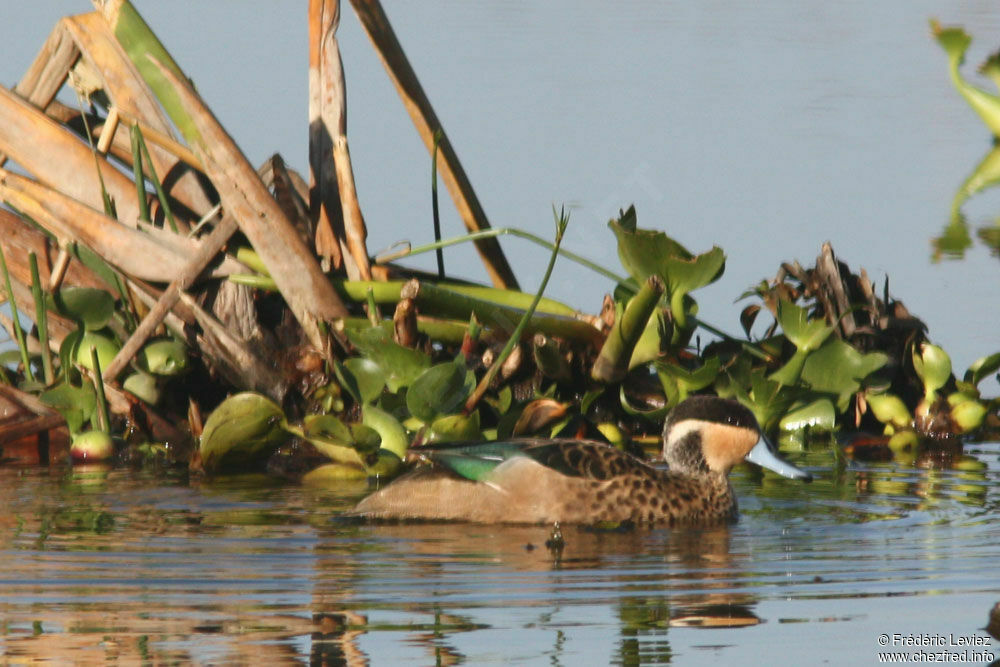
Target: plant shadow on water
(114, 565)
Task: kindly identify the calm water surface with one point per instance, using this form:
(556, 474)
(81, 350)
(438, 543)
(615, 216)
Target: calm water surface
(99, 566)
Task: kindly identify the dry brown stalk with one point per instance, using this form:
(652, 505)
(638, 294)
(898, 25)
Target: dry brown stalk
(152, 254)
(56, 157)
(305, 288)
(135, 101)
(417, 104)
(329, 156)
(211, 245)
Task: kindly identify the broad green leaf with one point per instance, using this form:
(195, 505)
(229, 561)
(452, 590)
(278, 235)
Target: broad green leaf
(766, 399)
(890, 410)
(687, 381)
(688, 274)
(328, 427)
(968, 415)
(88, 305)
(369, 377)
(439, 390)
(818, 414)
(401, 365)
(982, 368)
(933, 365)
(805, 333)
(143, 385)
(392, 432)
(501, 402)
(837, 368)
(243, 431)
(164, 357)
(386, 465)
(77, 405)
(644, 252)
(452, 428)
(365, 439)
(105, 346)
(335, 474)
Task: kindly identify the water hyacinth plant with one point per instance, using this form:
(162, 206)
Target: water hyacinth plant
(233, 318)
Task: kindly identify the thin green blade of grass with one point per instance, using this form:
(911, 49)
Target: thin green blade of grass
(18, 332)
(140, 177)
(562, 220)
(42, 319)
(160, 193)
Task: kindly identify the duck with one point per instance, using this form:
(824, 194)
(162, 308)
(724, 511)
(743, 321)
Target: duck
(563, 481)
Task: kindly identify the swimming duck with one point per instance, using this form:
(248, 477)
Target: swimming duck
(581, 481)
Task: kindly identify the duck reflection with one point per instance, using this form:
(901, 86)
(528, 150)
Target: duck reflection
(652, 580)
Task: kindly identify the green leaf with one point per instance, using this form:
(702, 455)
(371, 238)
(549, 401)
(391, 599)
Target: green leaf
(818, 414)
(644, 252)
(164, 357)
(401, 365)
(685, 275)
(369, 378)
(77, 405)
(144, 386)
(243, 431)
(365, 439)
(654, 338)
(933, 365)
(439, 390)
(90, 306)
(328, 427)
(105, 346)
(805, 333)
(837, 368)
(890, 410)
(391, 431)
(982, 368)
(452, 428)
(502, 401)
(687, 381)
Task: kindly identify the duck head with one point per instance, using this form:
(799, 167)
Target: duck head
(707, 434)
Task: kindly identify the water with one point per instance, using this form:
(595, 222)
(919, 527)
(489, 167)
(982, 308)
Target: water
(100, 565)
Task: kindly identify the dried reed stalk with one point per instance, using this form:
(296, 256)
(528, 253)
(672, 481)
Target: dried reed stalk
(376, 24)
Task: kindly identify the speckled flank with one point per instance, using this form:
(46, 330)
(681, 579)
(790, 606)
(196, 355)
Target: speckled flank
(608, 485)
(577, 481)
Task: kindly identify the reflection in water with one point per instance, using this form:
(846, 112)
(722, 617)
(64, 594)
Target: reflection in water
(123, 567)
(955, 239)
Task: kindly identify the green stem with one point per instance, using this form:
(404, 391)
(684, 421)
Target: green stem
(140, 178)
(612, 363)
(104, 416)
(562, 220)
(41, 318)
(500, 231)
(160, 193)
(18, 332)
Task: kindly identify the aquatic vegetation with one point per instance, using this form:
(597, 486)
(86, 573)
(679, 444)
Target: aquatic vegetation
(956, 238)
(178, 282)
